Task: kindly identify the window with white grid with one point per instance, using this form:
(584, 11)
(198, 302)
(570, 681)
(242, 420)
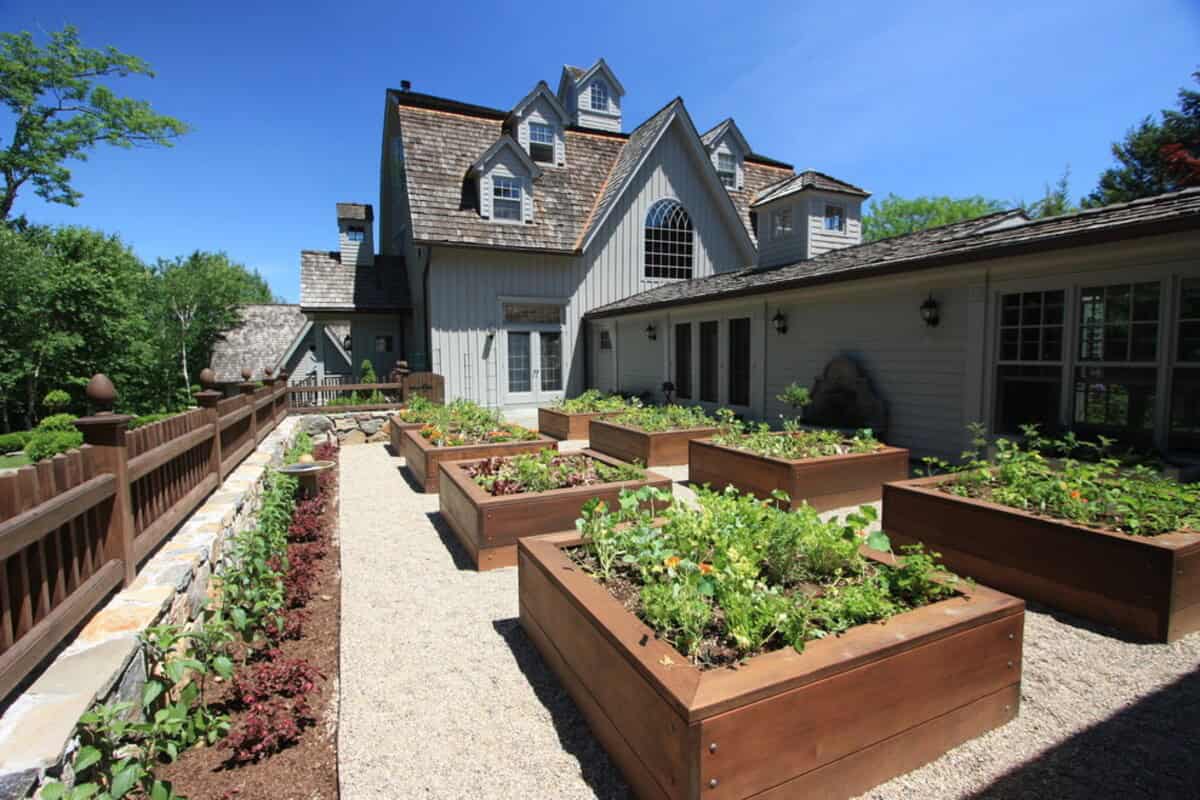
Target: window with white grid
(727, 169)
(541, 142)
(506, 198)
(669, 241)
(599, 98)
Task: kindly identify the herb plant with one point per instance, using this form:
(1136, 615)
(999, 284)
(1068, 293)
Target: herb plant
(463, 422)
(545, 471)
(594, 401)
(738, 576)
(1042, 476)
(793, 442)
(657, 419)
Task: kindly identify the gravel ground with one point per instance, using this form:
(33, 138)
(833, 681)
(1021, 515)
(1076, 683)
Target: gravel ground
(443, 695)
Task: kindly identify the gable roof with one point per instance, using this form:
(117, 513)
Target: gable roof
(506, 142)
(541, 90)
(442, 138)
(808, 179)
(714, 134)
(639, 147)
(1004, 233)
(261, 337)
(328, 285)
(579, 75)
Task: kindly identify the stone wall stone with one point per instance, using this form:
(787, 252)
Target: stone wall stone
(351, 427)
(104, 662)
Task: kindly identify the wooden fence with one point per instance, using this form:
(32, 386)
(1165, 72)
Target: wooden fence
(308, 395)
(76, 526)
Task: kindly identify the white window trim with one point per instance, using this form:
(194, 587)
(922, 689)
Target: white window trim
(553, 143)
(825, 206)
(775, 235)
(591, 105)
(520, 199)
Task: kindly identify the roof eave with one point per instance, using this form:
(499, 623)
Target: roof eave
(1078, 239)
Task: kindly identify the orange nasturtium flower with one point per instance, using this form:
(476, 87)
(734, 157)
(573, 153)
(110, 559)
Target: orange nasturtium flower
(671, 561)
(1075, 494)
(705, 568)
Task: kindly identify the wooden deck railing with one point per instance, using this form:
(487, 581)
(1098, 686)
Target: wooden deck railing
(308, 396)
(76, 526)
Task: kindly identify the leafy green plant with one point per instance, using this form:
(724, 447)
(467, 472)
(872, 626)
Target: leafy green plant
(593, 401)
(1044, 476)
(737, 575)
(58, 423)
(545, 471)
(464, 422)
(12, 442)
(795, 395)
(793, 442)
(657, 419)
(47, 443)
(56, 400)
(149, 419)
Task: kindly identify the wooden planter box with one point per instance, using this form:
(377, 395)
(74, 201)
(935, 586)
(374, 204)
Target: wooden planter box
(826, 482)
(397, 429)
(1146, 586)
(489, 527)
(847, 714)
(658, 448)
(562, 425)
(421, 458)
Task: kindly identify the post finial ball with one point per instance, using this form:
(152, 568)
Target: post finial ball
(101, 392)
(246, 373)
(268, 371)
(208, 378)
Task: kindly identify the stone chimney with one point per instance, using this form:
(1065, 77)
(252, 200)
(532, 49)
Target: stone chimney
(355, 238)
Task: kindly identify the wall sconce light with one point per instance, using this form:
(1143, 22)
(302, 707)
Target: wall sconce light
(347, 342)
(929, 311)
(651, 332)
(780, 322)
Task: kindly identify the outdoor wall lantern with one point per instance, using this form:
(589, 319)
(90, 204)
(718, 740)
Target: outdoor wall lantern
(780, 322)
(929, 311)
(651, 332)
(347, 342)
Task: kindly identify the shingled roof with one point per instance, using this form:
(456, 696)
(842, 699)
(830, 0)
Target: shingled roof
(443, 138)
(809, 179)
(328, 285)
(261, 339)
(1004, 233)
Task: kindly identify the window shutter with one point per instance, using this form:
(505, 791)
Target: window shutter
(523, 135)
(560, 147)
(527, 200)
(485, 196)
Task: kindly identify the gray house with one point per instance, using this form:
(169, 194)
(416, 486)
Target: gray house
(280, 337)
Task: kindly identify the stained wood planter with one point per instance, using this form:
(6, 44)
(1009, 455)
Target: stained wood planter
(846, 714)
(563, 425)
(421, 458)
(826, 482)
(652, 448)
(489, 527)
(1146, 586)
(397, 429)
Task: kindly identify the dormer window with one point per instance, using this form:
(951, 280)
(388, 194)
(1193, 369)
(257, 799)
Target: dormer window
(835, 218)
(599, 96)
(506, 198)
(727, 169)
(781, 223)
(541, 142)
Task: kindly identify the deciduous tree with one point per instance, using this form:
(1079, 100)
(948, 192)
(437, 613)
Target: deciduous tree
(895, 216)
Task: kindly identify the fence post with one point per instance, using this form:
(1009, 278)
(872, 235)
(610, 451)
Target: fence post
(281, 405)
(247, 388)
(105, 432)
(208, 400)
(399, 373)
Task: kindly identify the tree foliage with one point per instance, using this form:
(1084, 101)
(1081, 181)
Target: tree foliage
(896, 216)
(1055, 199)
(1155, 156)
(75, 301)
(61, 111)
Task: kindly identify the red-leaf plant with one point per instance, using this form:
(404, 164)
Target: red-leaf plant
(278, 677)
(268, 727)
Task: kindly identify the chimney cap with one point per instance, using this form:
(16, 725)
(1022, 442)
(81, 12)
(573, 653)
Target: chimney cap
(355, 211)
(405, 85)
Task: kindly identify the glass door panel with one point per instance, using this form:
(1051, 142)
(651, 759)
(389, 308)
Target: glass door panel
(520, 366)
(550, 361)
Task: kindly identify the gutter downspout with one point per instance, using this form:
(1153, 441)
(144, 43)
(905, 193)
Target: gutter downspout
(428, 323)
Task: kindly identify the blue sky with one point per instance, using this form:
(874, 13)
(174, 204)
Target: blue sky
(913, 98)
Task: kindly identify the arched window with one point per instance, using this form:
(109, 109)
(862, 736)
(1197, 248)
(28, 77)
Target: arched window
(668, 241)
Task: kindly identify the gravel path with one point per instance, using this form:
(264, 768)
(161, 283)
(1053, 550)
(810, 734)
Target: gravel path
(443, 696)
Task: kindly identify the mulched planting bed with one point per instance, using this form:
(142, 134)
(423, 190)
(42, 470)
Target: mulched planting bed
(529, 494)
(308, 768)
(682, 653)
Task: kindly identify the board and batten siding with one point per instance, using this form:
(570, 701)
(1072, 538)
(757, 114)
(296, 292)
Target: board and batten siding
(466, 284)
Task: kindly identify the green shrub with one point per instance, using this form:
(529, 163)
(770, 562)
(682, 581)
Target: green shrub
(12, 442)
(594, 401)
(58, 422)
(147, 419)
(56, 400)
(665, 418)
(47, 443)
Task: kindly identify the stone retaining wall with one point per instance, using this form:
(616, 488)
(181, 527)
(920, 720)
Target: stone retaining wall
(104, 662)
(353, 427)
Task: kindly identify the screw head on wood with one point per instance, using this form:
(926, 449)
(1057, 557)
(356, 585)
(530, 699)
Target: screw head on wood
(1012, 636)
(208, 378)
(712, 784)
(101, 392)
(246, 373)
(712, 748)
(1010, 663)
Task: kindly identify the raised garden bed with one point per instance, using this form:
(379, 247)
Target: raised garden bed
(1148, 586)
(848, 713)
(566, 425)
(652, 448)
(421, 458)
(489, 525)
(824, 482)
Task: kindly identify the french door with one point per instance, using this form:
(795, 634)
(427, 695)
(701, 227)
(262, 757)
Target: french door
(535, 366)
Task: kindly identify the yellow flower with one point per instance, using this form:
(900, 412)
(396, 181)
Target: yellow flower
(671, 561)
